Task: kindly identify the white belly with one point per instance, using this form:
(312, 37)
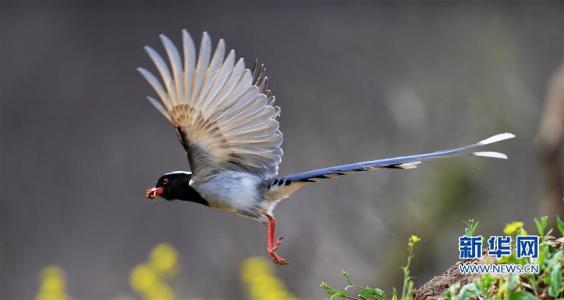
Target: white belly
(230, 190)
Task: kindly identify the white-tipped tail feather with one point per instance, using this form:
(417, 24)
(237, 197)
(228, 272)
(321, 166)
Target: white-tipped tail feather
(401, 162)
(409, 165)
(491, 154)
(497, 138)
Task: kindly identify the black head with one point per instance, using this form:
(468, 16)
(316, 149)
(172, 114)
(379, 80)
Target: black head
(175, 186)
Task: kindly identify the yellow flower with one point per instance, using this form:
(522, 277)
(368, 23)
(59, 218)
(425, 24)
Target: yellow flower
(52, 284)
(142, 278)
(159, 291)
(512, 228)
(257, 274)
(150, 278)
(414, 239)
(164, 259)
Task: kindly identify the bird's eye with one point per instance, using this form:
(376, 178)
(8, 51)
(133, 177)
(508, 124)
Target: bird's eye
(165, 181)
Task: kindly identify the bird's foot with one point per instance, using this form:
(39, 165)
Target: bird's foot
(272, 251)
(276, 258)
(272, 245)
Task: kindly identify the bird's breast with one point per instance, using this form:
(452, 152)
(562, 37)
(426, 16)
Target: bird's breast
(232, 191)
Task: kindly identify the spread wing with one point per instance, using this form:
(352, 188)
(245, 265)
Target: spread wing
(223, 112)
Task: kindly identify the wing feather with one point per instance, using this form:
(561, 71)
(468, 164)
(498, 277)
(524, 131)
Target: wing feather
(189, 64)
(222, 76)
(157, 86)
(159, 107)
(223, 112)
(201, 68)
(164, 71)
(176, 64)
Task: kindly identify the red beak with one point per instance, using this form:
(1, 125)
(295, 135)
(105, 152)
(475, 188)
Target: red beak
(153, 193)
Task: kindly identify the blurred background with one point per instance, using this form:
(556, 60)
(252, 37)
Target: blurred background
(355, 80)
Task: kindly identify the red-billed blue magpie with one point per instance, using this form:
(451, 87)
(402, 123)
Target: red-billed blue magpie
(226, 120)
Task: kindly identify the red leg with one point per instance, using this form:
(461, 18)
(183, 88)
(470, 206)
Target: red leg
(273, 244)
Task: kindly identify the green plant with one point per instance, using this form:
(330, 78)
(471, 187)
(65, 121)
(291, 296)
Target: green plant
(541, 225)
(560, 225)
(368, 293)
(547, 284)
(471, 227)
(407, 290)
(364, 293)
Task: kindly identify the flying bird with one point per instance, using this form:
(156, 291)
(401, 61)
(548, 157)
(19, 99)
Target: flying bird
(226, 120)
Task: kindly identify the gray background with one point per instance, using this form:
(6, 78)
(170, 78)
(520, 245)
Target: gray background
(355, 80)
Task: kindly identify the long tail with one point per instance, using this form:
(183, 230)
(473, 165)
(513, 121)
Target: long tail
(284, 186)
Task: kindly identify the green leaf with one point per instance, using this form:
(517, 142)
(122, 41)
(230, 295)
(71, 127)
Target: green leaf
(484, 283)
(521, 295)
(372, 293)
(471, 227)
(332, 292)
(541, 224)
(555, 259)
(512, 282)
(468, 291)
(560, 225)
(543, 253)
(555, 280)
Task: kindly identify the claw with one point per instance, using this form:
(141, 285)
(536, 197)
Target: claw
(278, 242)
(277, 259)
(272, 244)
